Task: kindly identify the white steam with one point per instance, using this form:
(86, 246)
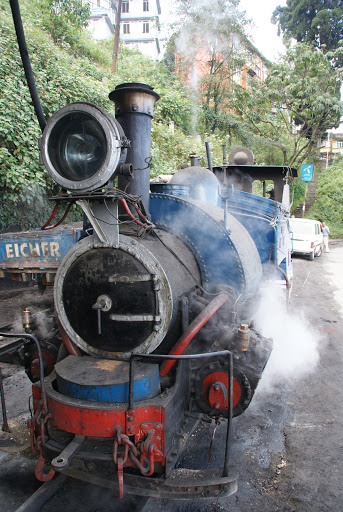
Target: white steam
(295, 343)
(209, 41)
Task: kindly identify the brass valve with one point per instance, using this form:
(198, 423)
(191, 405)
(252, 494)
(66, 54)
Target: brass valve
(243, 337)
(26, 318)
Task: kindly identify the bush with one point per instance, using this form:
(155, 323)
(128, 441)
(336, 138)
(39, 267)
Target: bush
(299, 193)
(170, 150)
(328, 206)
(60, 80)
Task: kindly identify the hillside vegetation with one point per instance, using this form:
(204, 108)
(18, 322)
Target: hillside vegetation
(65, 73)
(70, 66)
(76, 69)
(328, 206)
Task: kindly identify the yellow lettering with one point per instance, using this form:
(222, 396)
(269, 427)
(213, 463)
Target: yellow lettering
(34, 249)
(24, 251)
(9, 251)
(54, 249)
(45, 248)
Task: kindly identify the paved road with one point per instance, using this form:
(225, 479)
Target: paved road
(288, 445)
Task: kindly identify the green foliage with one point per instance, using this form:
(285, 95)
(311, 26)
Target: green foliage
(328, 206)
(79, 69)
(75, 69)
(175, 104)
(64, 19)
(99, 53)
(170, 150)
(209, 42)
(298, 193)
(169, 54)
(294, 106)
(311, 21)
(31, 210)
(60, 80)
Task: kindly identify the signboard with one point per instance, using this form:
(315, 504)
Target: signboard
(306, 172)
(36, 249)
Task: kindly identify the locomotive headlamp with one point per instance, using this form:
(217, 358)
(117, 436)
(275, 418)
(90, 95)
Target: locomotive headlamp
(81, 147)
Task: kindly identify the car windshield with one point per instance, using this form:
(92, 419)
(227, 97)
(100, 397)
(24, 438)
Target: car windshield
(302, 228)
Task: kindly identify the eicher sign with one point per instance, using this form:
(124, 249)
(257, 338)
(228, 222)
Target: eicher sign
(35, 249)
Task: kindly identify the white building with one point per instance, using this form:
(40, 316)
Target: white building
(139, 23)
(103, 15)
(140, 26)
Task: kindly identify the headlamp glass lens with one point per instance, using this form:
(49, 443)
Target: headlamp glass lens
(77, 146)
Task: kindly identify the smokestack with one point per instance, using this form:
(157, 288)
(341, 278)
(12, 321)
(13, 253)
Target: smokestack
(134, 110)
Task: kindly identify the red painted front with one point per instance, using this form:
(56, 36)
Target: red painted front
(99, 422)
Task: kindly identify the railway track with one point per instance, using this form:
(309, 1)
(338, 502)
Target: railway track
(69, 495)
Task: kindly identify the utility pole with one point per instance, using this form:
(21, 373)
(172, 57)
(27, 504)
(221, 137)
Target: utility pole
(116, 38)
(304, 205)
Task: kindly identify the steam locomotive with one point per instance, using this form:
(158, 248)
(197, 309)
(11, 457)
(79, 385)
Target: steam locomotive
(154, 304)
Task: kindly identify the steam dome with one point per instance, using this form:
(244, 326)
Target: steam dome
(203, 184)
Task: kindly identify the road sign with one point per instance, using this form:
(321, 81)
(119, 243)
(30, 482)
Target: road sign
(306, 172)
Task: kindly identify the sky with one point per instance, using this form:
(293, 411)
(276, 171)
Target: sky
(264, 33)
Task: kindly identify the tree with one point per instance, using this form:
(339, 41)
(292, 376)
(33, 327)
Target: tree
(65, 19)
(209, 50)
(62, 77)
(317, 21)
(296, 104)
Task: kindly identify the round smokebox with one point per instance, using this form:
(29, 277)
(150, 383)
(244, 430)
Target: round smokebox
(113, 301)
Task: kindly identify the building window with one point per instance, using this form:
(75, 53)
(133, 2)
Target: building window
(98, 3)
(145, 5)
(249, 57)
(258, 70)
(146, 28)
(125, 7)
(126, 28)
(340, 143)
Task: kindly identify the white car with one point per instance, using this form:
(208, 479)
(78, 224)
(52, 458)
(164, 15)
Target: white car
(307, 237)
